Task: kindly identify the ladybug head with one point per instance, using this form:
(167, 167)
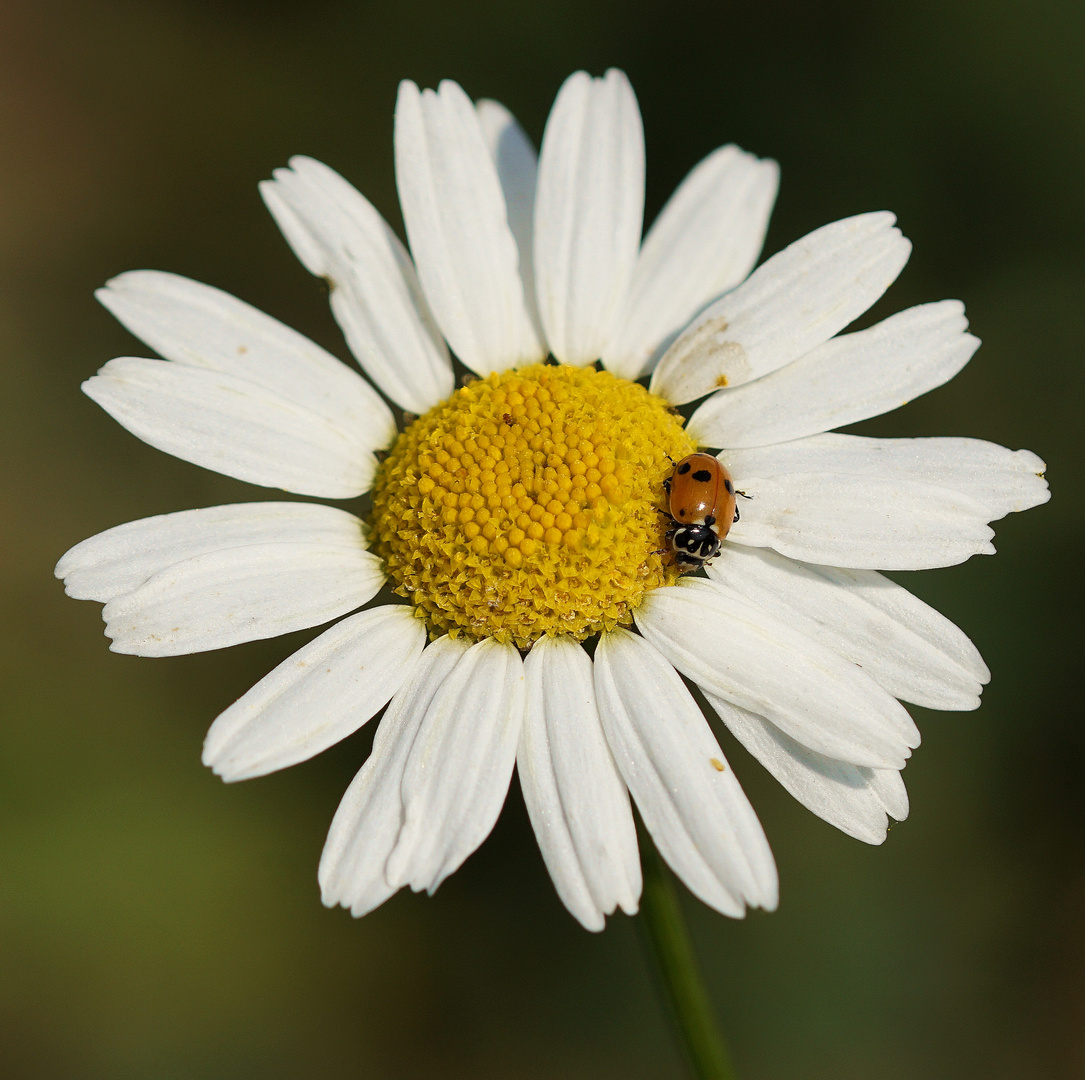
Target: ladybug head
(694, 545)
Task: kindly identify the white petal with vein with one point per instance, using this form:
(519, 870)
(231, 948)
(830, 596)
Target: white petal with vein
(224, 597)
(317, 697)
(888, 785)
(744, 655)
(589, 210)
(865, 522)
(122, 558)
(203, 327)
(460, 765)
(704, 242)
(458, 228)
(903, 644)
(517, 166)
(837, 792)
(850, 378)
(575, 798)
(789, 305)
(234, 426)
(367, 823)
(1002, 481)
(375, 295)
(688, 796)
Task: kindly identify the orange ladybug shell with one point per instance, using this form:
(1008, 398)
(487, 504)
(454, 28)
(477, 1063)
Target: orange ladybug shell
(701, 488)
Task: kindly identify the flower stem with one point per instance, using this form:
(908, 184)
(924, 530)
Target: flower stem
(663, 924)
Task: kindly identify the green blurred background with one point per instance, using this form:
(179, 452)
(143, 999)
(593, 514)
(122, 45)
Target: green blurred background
(155, 923)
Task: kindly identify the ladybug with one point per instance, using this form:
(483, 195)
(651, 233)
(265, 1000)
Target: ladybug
(703, 508)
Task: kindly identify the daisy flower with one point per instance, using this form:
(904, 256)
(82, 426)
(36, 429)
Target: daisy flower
(521, 517)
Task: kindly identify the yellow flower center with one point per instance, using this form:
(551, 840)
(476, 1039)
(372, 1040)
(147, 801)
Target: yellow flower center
(529, 503)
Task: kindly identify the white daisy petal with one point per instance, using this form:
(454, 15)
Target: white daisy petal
(888, 785)
(863, 522)
(460, 766)
(744, 655)
(704, 242)
(589, 210)
(199, 326)
(458, 228)
(224, 597)
(376, 299)
(367, 823)
(1002, 481)
(847, 379)
(517, 166)
(903, 644)
(318, 696)
(234, 426)
(575, 798)
(689, 798)
(789, 305)
(837, 792)
(305, 245)
(121, 559)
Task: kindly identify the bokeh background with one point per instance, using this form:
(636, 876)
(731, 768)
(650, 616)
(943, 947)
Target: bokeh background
(155, 923)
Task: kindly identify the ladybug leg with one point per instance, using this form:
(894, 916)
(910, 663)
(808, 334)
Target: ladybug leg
(745, 496)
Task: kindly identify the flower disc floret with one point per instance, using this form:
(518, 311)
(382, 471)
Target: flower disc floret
(529, 503)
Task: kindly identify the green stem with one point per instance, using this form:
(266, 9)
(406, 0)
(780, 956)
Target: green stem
(661, 918)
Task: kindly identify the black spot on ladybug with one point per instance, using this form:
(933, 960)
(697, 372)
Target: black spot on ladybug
(730, 487)
(684, 468)
(681, 513)
(702, 476)
(710, 520)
